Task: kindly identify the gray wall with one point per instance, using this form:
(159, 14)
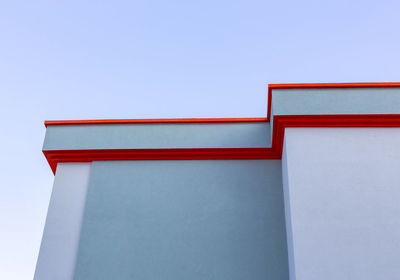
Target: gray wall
(336, 101)
(157, 136)
(184, 220)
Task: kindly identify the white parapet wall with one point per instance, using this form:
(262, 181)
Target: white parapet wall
(63, 223)
(342, 193)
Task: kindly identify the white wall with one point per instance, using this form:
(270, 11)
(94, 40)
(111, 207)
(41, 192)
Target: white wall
(63, 223)
(342, 202)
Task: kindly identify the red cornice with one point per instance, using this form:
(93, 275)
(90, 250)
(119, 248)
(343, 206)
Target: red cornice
(275, 152)
(55, 156)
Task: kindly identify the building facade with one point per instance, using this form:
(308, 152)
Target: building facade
(310, 192)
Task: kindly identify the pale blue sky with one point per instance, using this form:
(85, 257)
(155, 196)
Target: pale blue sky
(161, 59)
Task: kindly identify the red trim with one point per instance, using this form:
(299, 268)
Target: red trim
(155, 121)
(55, 156)
(367, 120)
(275, 152)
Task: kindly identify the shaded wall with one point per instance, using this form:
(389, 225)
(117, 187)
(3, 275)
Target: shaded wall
(193, 220)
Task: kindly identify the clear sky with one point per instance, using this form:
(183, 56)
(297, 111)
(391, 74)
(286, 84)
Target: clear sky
(161, 59)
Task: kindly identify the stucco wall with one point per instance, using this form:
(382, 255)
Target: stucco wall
(336, 101)
(157, 136)
(61, 234)
(184, 220)
(342, 193)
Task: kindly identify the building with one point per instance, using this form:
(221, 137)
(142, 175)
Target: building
(310, 192)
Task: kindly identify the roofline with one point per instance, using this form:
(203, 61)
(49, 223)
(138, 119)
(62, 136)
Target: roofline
(274, 152)
(226, 120)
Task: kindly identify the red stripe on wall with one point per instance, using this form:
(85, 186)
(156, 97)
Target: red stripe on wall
(154, 121)
(56, 156)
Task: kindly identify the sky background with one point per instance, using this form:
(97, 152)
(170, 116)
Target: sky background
(161, 59)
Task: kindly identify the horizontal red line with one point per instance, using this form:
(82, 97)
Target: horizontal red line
(154, 121)
(55, 156)
(127, 153)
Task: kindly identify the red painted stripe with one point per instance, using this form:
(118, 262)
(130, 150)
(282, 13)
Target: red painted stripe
(275, 152)
(154, 121)
(55, 156)
(366, 120)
